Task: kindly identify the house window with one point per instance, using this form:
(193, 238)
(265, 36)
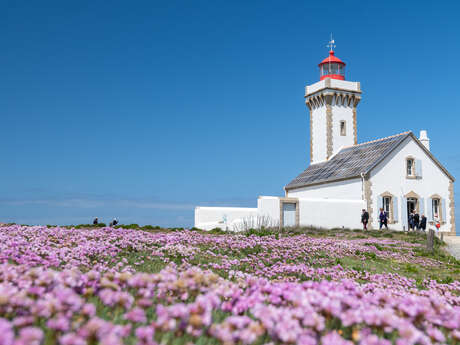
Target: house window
(410, 167)
(387, 206)
(343, 128)
(435, 204)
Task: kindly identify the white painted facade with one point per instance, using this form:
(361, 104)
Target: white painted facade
(390, 177)
(318, 132)
(330, 213)
(341, 114)
(338, 203)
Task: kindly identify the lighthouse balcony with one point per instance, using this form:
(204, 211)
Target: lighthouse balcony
(336, 84)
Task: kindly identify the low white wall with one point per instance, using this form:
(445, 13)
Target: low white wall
(208, 218)
(269, 206)
(331, 213)
(325, 213)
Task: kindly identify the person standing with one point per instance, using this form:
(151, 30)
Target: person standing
(416, 220)
(95, 221)
(437, 223)
(364, 219)
(383, 218)
(411, 221)
(423, 223)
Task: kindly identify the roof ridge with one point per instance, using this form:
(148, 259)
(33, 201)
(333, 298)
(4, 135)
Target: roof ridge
(376, 140)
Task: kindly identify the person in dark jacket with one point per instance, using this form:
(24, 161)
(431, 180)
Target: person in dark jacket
(383, 218)
(411, 221)
(423, 223)
(364, 219)
(95, 221)
(416, 220)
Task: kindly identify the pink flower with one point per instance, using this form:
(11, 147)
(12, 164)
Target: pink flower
(59, 324)
(30, 336)
(71, 339)
(145, 335)
(136, 315)
(89, 310)
(436, 334)
(334, 338)
(6, 331)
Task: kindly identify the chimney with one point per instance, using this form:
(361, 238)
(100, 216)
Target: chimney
(424, 139)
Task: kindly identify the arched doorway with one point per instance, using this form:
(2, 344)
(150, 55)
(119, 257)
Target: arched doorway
(413, 204)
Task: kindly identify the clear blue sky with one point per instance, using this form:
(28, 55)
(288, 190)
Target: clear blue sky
(142, 110)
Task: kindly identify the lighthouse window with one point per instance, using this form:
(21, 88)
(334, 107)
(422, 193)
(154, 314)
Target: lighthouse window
(343, 128)
(334, 68)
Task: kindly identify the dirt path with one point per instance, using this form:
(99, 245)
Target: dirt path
(453, 243)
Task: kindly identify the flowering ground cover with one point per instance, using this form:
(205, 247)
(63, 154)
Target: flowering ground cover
(120, 286)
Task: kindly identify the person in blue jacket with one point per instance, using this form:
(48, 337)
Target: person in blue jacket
(383, 218)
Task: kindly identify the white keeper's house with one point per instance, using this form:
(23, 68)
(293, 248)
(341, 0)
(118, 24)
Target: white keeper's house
(397, 173)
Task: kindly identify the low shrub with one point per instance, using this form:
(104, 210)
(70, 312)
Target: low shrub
(151, 227)
(262, 232)
(88, 226)
(216, 231)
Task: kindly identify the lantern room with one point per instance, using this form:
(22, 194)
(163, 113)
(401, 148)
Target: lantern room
(332, 67)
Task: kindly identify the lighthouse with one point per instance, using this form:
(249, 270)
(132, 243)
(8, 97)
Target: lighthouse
(396, 174)
(332, 102)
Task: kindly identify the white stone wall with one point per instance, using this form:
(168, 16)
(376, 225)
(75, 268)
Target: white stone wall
(317, 212)
(342, 113)
(331, 213)
(346, 189)
(269, 206)
(390, 176)
(319, 134)
(208, 218)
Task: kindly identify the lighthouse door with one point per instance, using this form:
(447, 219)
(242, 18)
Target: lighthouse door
(289, 214)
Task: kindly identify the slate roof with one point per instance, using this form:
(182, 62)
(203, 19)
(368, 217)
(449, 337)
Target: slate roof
(349, 162)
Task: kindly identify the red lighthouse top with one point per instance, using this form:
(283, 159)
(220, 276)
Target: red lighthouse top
(332, 66)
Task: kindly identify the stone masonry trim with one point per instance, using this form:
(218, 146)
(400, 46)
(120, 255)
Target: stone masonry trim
(311, 135)
(355, 127)
(287, 200)
(368, 196)
(329, 131)
(452, 209)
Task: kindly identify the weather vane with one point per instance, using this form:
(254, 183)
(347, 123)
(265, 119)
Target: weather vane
(331, 44)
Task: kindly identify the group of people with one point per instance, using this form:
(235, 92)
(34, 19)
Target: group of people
(415, 221)
(112, 223)
(383, 219)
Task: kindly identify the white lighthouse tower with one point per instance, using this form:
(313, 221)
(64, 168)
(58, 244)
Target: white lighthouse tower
(332, 102)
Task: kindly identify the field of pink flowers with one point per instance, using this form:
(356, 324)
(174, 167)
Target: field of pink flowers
(117, 286)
